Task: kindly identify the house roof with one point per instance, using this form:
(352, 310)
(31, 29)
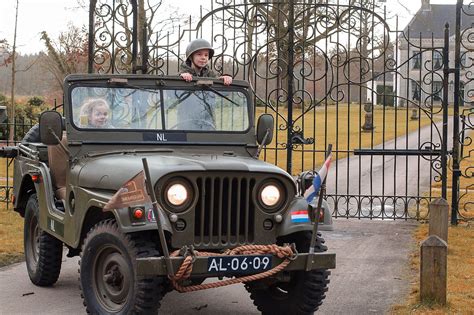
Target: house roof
(432, 21)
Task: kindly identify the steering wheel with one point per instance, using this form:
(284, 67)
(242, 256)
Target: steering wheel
(201, 122)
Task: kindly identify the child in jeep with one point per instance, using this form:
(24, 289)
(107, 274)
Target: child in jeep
(198, 54)
(94, 114)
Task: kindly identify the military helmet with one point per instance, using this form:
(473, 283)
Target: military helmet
(199, 44)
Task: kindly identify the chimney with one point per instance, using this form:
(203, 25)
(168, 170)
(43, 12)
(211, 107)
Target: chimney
(425, 5)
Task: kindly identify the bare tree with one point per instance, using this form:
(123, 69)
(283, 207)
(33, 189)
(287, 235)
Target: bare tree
(67, 54)
(12, 105)
(5, 53)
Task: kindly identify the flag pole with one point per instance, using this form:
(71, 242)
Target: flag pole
(151, 193)
(322, 192)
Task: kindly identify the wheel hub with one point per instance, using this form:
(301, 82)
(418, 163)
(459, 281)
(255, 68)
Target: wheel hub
(112, 279)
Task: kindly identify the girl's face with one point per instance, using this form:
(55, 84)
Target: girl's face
(99, 116)
(200, 58)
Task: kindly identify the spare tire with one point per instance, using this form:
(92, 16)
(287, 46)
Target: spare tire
(33, 135)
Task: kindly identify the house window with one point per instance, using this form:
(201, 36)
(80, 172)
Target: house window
(437, 91)
(415, 91)
(437, 60)
(416, 60)
(463, 59)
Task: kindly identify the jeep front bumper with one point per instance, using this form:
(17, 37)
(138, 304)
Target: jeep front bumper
(156, 265)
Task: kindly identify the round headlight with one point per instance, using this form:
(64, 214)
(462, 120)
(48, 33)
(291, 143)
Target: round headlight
(270, 195)
(177, 194)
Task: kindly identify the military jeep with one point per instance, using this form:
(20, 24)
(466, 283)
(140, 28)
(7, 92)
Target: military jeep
(212, 194)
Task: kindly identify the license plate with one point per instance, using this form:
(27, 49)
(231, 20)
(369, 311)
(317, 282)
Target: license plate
(239, 264)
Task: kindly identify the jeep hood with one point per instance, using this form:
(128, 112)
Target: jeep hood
(110, 172)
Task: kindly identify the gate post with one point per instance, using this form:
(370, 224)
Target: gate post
(456, 139)
(434, 255)
(444, 143)
(433, 270)
(291, 25)
(439, 214)
(90, 52)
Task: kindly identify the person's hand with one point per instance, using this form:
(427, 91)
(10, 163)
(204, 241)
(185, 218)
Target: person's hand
(227, 79)
(186, 76)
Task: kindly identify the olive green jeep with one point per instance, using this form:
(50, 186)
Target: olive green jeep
(212, 194)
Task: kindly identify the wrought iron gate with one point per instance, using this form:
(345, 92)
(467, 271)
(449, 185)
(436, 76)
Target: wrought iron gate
(463, 150)
(336, 72)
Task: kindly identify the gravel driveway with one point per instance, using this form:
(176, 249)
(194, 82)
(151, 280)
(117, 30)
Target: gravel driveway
(370, 275)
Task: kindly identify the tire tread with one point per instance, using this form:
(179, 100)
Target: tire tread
(149, 291)
(307, 295)
(50, 256)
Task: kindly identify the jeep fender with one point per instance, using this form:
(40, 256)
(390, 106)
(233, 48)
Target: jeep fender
(291, 225)
(123, 220)
(122, 217)
(22, 194)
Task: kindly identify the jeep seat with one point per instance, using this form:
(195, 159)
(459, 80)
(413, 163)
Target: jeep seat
(58, 163)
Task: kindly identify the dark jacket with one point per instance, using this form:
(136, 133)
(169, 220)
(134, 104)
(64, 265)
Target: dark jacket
(205, 72)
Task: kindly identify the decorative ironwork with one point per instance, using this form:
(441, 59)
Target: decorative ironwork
(307, 62)
(463, 154)
(21, 127)
(113, 33)
(319, 68)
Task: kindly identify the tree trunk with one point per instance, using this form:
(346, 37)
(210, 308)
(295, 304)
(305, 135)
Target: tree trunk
(12, 105)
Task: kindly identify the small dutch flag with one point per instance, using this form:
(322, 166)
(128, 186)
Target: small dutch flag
(313, 190)
(299, 216)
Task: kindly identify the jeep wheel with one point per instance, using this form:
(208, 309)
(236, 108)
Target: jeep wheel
(108, 279)
(304, 292)
(43, 252)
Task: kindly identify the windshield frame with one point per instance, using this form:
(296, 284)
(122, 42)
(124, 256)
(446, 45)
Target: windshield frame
(159, 88)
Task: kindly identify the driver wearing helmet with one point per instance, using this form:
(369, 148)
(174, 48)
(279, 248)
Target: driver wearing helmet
(198, 53)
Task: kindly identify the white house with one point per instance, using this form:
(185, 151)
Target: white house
(420, 60)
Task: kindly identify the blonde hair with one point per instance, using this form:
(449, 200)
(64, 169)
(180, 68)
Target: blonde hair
(87, 109)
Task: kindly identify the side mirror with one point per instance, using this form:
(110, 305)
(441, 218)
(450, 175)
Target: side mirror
(265, 123)
(51, 127)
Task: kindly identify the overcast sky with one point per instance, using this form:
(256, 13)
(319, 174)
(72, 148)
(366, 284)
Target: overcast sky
(53, 16)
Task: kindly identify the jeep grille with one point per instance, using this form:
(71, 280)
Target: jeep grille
(225, 211)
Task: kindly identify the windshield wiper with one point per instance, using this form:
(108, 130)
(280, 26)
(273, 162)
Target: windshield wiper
(132, 151)
(221, 95)
(120, 82)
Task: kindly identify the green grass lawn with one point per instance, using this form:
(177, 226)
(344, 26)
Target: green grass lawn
(11, 236)
(341, 126)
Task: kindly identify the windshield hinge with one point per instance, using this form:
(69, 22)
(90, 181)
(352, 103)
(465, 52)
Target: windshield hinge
(118, 81)
(204, 82)
(74, 142)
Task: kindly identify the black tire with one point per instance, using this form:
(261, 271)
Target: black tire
(33, 135)
(43, 252)
(303, 294)
(108, 280)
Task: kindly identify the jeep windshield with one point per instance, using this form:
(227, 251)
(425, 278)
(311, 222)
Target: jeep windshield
(135, 108)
